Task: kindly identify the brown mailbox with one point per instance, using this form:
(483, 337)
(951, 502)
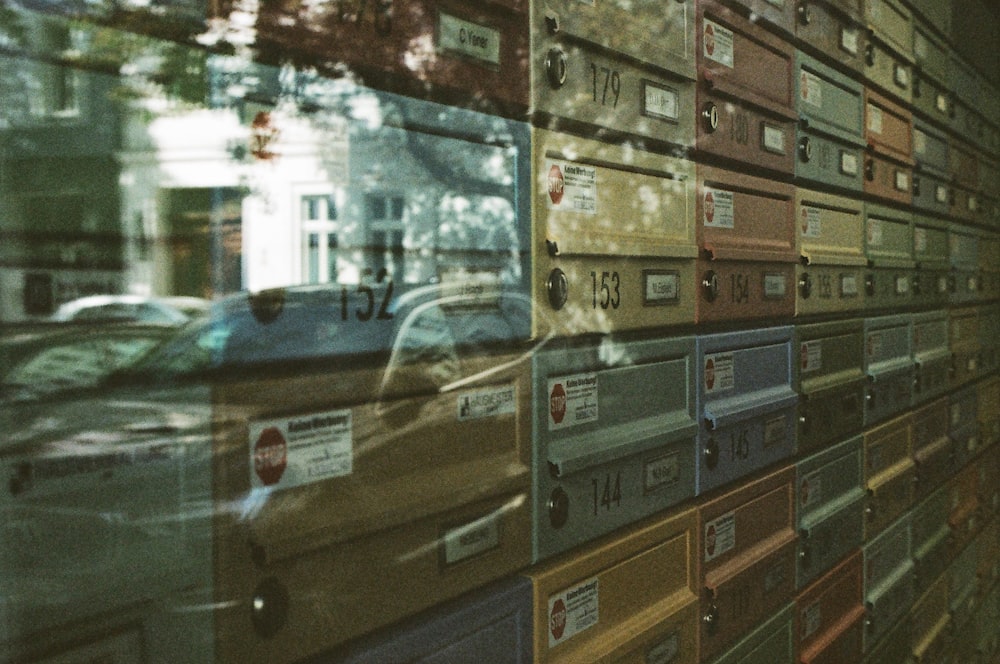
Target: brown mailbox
(889, 473)
(888, 167)
(833, 29)
(830, 615)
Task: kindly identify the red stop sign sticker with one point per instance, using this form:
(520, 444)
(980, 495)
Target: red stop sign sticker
(557, 619)
(270, 456)
(710, 540)
(557, 403)
(709, 39)
(556, 184)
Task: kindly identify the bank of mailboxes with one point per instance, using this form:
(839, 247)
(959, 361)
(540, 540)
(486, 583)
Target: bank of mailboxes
(830, 380)
(833, 29)
(931, 538)
(888, 585)
(889, 248)
(747, 545)
(614, 234)
(933, 448)
(745, 232)
(964, 342)
(830, 139)
(888, 362)
(628, 598)
(931, 355)
(963, 424)
(931, 621)
(494, 624)
(830, 233)
(890, 473)
(888, 167)
(931, 89)
(625, 71)
(830, 504)
(930, 252)
(932, 191)
(831, 616)
(746, 404)
(889, 53)
(745, 104)
(609, 448)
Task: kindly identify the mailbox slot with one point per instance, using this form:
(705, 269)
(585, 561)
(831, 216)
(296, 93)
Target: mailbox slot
(889, 367)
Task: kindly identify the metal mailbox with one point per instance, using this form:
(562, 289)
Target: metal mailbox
(931, 622)
(628, 597)
(933, 449)
(890, 473)
(830, 502)
(831, 382)
(888, 168)
(493, 624)
(833, 29)
(988, 644)
(989, 332)
(778, 15)
(964, 165)
(748, 545)
(830, 139)
(963, 580)
(892, 647)
(987, 558)
(963, 253)
(888, 580)
(931, 532)
(889, 367)
(620, 69)
(745, 105)
(964, 341)
(930, 251)
(963, 425)
(771, 642)
(931, 91)
(989, 265)
(988, 482)
(889, 54)
(931, 355)
(614, 436)
(964, 517)
(934, 12)
(988, 410)
(831, 616)
(932, 190)
(469, 54)
(831, 246)
(746, 404)
(966, 120)
(889, 247)
(746, 236)
(614, 230)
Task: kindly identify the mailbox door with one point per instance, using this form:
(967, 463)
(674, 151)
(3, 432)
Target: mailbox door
(746, 404)
(891, 647)
(988, 410)
(888, 128)
(745, 105)
(889, 55)
(633, 593)
(889, 367)
(609, 450)
(965, 85)
(987, 558)
(931, 355)
(930, 250)
(989, 486)
(933, 450)
(830, 614)
(833, 30)
(931, 538)
(771, 642)
(963, 340)
(831, 382)
(962, 580)
(890, 473)
(963, 424)
(627, 71)
(745, 231)
(934, 12)
(888, 579)
(889, 247)
(614, 236)
(931, 621)
(964, 517)
(747, 546)
(964, 164)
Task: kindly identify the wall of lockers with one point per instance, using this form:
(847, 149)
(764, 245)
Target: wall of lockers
(765, 250)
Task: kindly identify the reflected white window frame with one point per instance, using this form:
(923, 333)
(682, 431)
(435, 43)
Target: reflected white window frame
(320, 230)
(389, 223)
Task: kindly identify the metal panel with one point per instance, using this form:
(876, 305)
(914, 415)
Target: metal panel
(931, 177)
(889, 247)
(931, 355)
(777, 15)
(889, 165)
(830, 134)
(989, 265)
(988, 482)
(830, 615)
(889, 53)
(988, 410)
(963, 254)
(746, 404)
(831, 241)
(930, 251)
(890, 473)
(889, 367)
(746, 234)
(833, 30)
(930, 51)
(933, 450)
(965, 118)
(625, 69)
(932, 551)
(892, 647)
(614, 236)
(964, 164)
(963, 425)
(989, 333)
(771, 642)
(964, 341)
(745, 103)
(931, 622)
(625, 598)
(888, 579)
(747, 544)
(375, 41)
(830, 501)
(494, 625)
(608, 449)
(892, 23)
(830, 380)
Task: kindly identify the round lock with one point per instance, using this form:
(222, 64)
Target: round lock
(555, 67)
(805, 555)
(805, 14)
(269, 608)
(711, 619)
(710, 117)
(804, 424)
(916, 186)
(805, 149)
(557, 288)
(870, 170)
(558, 508)
(870, 285)
(805, 285)
(712, 454)
(710, 285)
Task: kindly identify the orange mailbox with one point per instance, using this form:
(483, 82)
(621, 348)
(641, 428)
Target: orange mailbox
(889, 165)
(831, 616)
(833, 29)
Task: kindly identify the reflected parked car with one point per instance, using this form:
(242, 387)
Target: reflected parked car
(169, 310)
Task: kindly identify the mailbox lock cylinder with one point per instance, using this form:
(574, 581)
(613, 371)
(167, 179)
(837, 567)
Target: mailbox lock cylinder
(555, 67)
(557, 288)
(711, 619)
(269, 608)
(710, 285)
(805, 285)
(711, 454)
(710, 117)
(805, 149)
(805, 14)
(558, 508)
